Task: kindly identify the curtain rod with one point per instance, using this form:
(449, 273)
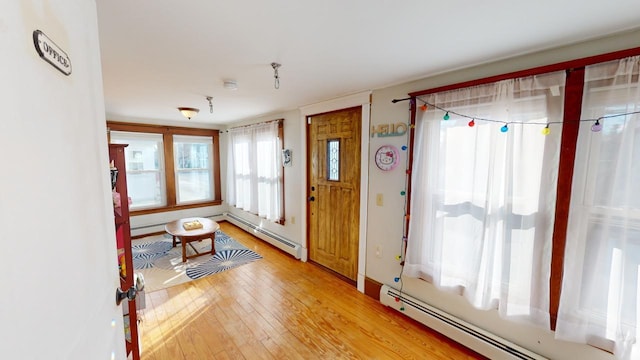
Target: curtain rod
(279, 121)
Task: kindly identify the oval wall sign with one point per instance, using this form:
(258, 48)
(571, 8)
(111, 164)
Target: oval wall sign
(51, 53)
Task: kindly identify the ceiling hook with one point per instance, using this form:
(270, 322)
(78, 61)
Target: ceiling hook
(276, 77)
(209, 98)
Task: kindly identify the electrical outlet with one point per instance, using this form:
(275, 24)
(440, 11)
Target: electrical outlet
(379, 199)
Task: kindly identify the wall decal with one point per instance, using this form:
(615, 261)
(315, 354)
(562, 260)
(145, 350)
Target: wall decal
(385, 130)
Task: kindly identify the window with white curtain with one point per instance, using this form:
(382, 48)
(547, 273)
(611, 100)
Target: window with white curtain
(254, 174)
(600, 301)
(482, 210)
(145, 168)
(193, 166)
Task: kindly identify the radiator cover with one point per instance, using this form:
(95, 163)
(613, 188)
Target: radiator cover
(274, 239)
(471, 336)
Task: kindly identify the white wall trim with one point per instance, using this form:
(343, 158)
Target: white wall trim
(336, 104)
(363, 99)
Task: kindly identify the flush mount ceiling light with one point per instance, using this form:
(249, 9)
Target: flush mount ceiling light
(276, 77)
(189, 112)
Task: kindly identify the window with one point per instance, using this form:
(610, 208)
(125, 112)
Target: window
(333, 160)
(255, 177)
(169, 168)
(601, 291)
(594, 281)
(193, 162)
(145, 168)
(482, 212)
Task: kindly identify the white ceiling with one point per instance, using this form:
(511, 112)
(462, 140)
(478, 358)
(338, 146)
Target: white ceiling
(162, 54)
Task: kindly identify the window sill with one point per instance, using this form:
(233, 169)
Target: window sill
(175, 208)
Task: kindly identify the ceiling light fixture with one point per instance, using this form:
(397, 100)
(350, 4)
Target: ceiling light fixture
(209, 98)
(276, 77)
(189, 112)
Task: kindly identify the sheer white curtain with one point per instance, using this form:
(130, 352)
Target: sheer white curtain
(483, 202)
(254, 170)
(600, 302)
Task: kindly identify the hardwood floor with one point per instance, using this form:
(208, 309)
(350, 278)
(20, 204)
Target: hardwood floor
(280, 308)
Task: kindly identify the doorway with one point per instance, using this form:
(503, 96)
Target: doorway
(333, 189)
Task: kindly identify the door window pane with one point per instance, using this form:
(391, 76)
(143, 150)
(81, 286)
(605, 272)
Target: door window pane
(333, 160)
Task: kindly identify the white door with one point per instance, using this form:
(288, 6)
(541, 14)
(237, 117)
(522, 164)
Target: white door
(59, 268)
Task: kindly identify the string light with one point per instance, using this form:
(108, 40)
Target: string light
(596, 127)
(403, 243)
(424, 107)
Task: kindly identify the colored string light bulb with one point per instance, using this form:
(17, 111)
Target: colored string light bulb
(402, 308)
(402, 192)
(546, 130)
(397, 299)
(404, 147)
(423, 107)
(597, 127)
(398, 257)
(472, 122)
(446, 116)
(396, 279)
(504, 129)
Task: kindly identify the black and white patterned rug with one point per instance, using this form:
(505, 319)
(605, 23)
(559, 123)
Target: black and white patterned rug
(161, 264)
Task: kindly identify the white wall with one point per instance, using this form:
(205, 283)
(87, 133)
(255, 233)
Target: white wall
(59, 266)
(385, 222)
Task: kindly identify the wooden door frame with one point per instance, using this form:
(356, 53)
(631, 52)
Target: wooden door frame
(364, 100)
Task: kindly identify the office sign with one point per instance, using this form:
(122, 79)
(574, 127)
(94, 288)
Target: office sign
(51, 53)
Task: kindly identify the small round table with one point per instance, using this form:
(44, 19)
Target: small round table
(207, 231)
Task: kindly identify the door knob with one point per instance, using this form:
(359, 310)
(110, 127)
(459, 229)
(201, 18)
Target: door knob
(312, 198)
(129, 294)
(132, 292)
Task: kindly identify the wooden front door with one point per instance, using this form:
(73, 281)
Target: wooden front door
(334, 189)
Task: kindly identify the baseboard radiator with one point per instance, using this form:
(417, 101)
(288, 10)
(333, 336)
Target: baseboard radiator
(479, 340)
(274, 239)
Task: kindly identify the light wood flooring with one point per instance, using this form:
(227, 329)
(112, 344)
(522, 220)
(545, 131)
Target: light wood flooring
(280, 308)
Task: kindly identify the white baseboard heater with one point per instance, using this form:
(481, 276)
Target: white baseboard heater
(479, 340)
(274, 239)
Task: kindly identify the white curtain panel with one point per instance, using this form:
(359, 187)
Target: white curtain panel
(483, 200)
(254, 173)
(600, 298)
